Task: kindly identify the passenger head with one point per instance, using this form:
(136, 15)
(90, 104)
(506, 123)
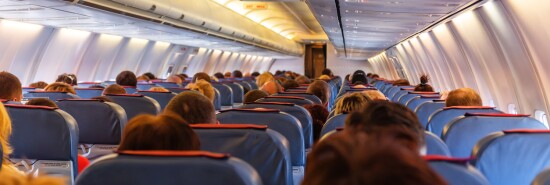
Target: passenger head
(97, 87)
(324, 77)
(204, 88)
(193, 107)
(227, 75)
(424, 86)
(271, 87)
(351, 102)
(359, 78)
(114, 89)
(264, 78)
(375, 76)
(42, 102)
(375, 95)
(289, 84)
(319, 115)
(67, 78)
(321, 89)
(5, 132)
(369, 75)
(126, 78)
(143, 78)
(163, 132)
(401, 82)
(15, 177)
(10, 87)
(175, 79)
(60, 87)
(219, 75)
(201, 76)
(39, 84)
(159, 89)
(255, 74)
(237, 74)
(253, 95)
(282, 79)
(463, 97)
(150, 75)
(303, 80)
(327, 72)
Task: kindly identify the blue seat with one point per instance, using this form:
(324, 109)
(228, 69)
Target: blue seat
(226, 95)
(425, 110)
(245, 85)
(135, 104)
(297, 111)
(169, 168)
(405, 99)
(47, 135)
(379, 84)
(333, 123)
(443, 116)
(435, 146)
(402, 92)
(287, 99)
(463, 133)
(513, 157)
(26, 90)
(284, 123)
(145, 86)
(238, 92)
(50, 95)
(162, 97)
(456, 171)
(254, 144)
(352, 90)
(130, 89)
(543, 178)
(168, 84)
(393, 90)
(386, 87)
(100, 125)
(308, 96)
(87, 84)
(417, 101)
(177, 90)
(88, 92)
(109, 82)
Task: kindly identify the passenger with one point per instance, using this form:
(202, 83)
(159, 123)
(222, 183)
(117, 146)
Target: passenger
(289, 75)
(263, 78)
(320, 89)
(97, 87)
(424, 86)
(358, 79)
(324, 77)
(351, 102)
(255, 74)
(253, 95)
(162, 132)
(183, 76)
(271, 87)
(204, 88)
(303, 80)
(75, 80)
(60, 87)
(175, 79)
(375, 95)
(237, 74)
(5, 132)
(360, 159)
(282, 79)
(42, 102)
(39, 85)
(348, 78)
(10, 177)
(126, 78)
(66, 78)
(319, 115)
(327, 72)
(150, 75)
(290, 84)
(369, 75)
(219, 75)
(194, 107)
(143, 78)
(114, 89)
(401, 82)
(463, 97)
(159, 89)
(227, 75)
(375, 78)
(202, 76)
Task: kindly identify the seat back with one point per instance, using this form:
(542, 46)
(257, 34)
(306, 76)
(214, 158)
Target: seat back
(130, 89)
(435, 145)
(100, 124)
(169, 168)
(168, 84)
(513, 157)
(405, 99)
(425, 110)
(333, 123)
(254, 144)
(135, 104)
(87, 93)
(456, 171)
(162, 97)
(392, 91)
(297, 111)
(308, 96)
(281, 122)
(238, 91)
(177, 90)
(245, 85)
(45, 138)
(26, 90)
(87, 84)
(402, 92)
(417, 101)
(226, 94)
(145, 86)
(287, 99)
(50, 95)
(443, 116)
(463, 133)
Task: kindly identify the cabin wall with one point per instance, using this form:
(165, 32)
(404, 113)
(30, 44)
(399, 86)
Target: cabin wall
(341, 66)
(498, 49)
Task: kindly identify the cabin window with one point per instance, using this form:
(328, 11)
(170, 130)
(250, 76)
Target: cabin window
(512, 109)
(541, 116)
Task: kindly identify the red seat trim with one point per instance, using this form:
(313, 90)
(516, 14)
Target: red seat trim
(170, 153)
(88, 89)
(252, 110)
(272, 103)
(521, 131)
(430, 96)
(127, 95)
(30, 107)
(285, 97)
(420, 92)
(496, 114)
(447, 159)
(154, 92)
(228, 126)
(79, 100)
(48, 92)
(89, 83)
(468, 107)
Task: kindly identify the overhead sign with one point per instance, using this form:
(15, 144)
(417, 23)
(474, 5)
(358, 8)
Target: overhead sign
(255, 6)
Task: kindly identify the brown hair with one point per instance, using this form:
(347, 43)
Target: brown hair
(463, 97)
(319, 115)
(271, 87)
(424, 86)
(303, 80)
(10, 87)
(114, 89)
(193, 107)
(253, 95)
(204, 87)
(39, 84)
(321, 89)
(289, 84)
(159, 89)
(42, 102)
(351, 102)
(60, 87)
(126, 78)
(67, 78)
(163, 132)
(401, 82)
(202, 76)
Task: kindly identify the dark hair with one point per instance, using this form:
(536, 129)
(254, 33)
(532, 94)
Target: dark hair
(126, 78)
(163, 132)
(401, 82)
(42, 102)
(114, 89)
(39, 84)
(303, 80)
(183, 76)
(202, 76)
(359, 78)
(327, 72)
(255, 74)
(67, 78)
(375, 76)
(193, 107)
(10, 87)
(319, 115)
(150, 75)
(219, 75)
(97, 86)
(423, 86)
(237, 74)
(253, 95)
(289, 84)
(321, 89)
(369, 75)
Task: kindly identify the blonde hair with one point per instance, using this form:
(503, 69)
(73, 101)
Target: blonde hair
(11, 177)
(60, 87)
(204, 88)
(264, 78)
(463, 97)
(5, 132)
(324, 77)
(351, 102)
(375, 95)
(159, 89)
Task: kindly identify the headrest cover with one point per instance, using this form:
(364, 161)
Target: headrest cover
(89, 83)
(178, 88)
(48, 92)
(229, 126)
(28, 87)
(420, 92)
(448, 159)
(438, 100)
(125, 86)
(253, 110)
(526, 131)
(295, 93)
(98, 100)
(3, 101)
(468, 107)
(496, 114)
(171, 153)
(164, 82)
(30, 107)
(155, 92)
(88, 89)
(127, 95)
(431, 96)
(271, 103)
(286, 97)
(407, 88)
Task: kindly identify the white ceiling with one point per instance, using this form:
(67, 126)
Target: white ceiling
(371, 26)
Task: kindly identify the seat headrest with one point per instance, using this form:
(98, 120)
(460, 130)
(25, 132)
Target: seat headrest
(468, 107)
(431, 96)
(80, 88)
(229, 126)
(154, 92)
(272, 103)
(438, 101)
(125, 95)
(252, 110)
(30, 107)
(448, 159)
(3, 100)
(295, 93)
(171, 153)
(525, 131)
(80, 100)
(286, 97)
(48, 92)
(495, 114)
(420, 92)
(125, 86)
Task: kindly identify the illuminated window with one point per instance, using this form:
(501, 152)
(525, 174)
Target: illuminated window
(541, 116)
